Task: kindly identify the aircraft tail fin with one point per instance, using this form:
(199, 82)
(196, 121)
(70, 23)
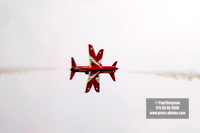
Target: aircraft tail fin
(72, 70)
(115, 63)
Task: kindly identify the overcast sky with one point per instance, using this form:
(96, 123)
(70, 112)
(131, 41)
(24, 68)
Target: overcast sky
(143, 35)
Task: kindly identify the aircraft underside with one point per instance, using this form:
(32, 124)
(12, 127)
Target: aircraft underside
(94, 69)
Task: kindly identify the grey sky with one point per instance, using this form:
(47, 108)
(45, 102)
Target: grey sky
(140, 35)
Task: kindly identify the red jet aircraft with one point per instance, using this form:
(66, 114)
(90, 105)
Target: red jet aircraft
(94, 69)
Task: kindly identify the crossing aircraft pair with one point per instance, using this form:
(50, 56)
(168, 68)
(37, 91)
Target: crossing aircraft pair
(94, 69)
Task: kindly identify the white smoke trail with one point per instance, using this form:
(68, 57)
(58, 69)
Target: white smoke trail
(21, 70)
(189, 75)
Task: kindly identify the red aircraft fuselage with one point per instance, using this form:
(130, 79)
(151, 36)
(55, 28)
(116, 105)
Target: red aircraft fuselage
(102, 69)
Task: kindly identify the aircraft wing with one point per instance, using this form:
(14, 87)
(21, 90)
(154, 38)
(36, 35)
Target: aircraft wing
(93, 79)
(91, 51)
(99, 56)
(92, 57)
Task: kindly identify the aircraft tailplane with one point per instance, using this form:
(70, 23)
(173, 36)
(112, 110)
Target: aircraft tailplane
(72, 70)
(73, 62)
(112, 76)
(72, 74)
(115, 63)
